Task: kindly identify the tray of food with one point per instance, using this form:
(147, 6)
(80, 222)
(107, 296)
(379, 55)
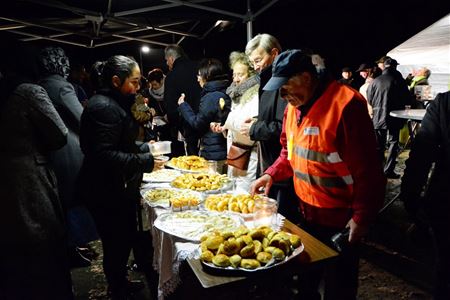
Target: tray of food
(247, 250)
(203, 182)
(192, 225)
(190, 163)
(167, 197)
(237, 203)
(162, 175)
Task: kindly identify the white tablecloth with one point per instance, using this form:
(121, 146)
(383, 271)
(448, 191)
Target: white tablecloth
(170, 251)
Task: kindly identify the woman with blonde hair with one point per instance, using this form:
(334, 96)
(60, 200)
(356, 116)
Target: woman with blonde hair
(244, 95)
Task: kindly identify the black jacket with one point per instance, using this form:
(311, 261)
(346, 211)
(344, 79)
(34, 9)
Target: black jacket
(113, 164)
(431, 144)
(386, 93)
(213, 146)
(267, 129)
(182, 79)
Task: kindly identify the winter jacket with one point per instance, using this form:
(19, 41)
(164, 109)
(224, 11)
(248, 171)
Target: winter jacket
(113, 164)
(267, 129)
(388, 92)
(182, 79)
(30, 127)
(66, 161)
(213, 146)
(431, 145)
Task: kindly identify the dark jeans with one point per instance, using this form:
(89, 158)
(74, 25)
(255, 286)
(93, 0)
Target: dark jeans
(117, 226)
(341, 280)
(390, 137)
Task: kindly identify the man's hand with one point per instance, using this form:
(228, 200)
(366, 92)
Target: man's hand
(181, 99)
(262, 184)
(245, 127)
(357, 232)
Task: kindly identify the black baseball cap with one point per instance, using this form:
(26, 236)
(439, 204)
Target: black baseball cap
(286, 65)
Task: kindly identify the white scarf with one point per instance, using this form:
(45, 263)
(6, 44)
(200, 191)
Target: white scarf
(158, 94)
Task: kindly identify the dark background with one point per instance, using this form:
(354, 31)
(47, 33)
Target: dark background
(345, 33)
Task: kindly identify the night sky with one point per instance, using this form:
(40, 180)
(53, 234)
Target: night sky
(345, 33)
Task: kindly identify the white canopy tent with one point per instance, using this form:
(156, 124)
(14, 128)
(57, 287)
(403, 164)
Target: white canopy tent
(429, 48)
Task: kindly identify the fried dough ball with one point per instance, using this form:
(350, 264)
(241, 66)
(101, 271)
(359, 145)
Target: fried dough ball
(221, 260)
(278, 254)
(207, 256)
(227, 234)
(250, 263)
(269, 249)
(265, 242)
(235, 260)
(264, 257)
(258, 246)
(203, 246)
(257, 234)
(240, 242)
(241, 231)
(247, 239)
(295, 241)
(229, 248)
(213, 242)
(248, 251)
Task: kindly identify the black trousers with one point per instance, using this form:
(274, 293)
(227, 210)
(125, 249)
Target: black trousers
(117, 227)
(341, 280)
(391, 137)
(442, 247)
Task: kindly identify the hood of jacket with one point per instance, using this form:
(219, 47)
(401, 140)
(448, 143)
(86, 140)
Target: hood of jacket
(216, 85)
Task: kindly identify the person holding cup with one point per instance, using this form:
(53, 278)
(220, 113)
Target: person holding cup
(329, 147)
(113, 164)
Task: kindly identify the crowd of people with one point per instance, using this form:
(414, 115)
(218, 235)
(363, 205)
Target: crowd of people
(71, 169)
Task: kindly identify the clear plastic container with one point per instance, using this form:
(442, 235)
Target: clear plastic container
(160, 148)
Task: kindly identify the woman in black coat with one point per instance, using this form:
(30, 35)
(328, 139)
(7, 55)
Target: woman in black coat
(33, 253)
(215, 105)
(113, 165)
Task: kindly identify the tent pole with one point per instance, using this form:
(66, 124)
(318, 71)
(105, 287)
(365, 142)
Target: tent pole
(249, 21)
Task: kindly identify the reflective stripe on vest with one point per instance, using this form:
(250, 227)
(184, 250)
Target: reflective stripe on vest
(318, 156)
(329, 182)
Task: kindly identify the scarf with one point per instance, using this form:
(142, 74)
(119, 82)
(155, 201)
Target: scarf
(236, 91)
(158, 94)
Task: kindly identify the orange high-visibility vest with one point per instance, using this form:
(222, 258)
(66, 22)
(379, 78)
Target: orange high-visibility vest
(321, 178)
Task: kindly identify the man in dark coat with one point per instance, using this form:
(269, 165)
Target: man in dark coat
(266, 129)
(388, 92)
(432, 145)
(182, 78)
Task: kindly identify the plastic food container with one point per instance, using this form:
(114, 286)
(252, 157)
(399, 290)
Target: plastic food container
(160, 148)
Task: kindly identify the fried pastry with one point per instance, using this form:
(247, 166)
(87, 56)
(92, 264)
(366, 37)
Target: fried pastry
(278, 254)
(221, 260)
(295, 241)
(264, 257)
(248, 251)
(258, 246)
(235, 260)
(251, 263)
(213, 242)
(207, 256)
(257, 234)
